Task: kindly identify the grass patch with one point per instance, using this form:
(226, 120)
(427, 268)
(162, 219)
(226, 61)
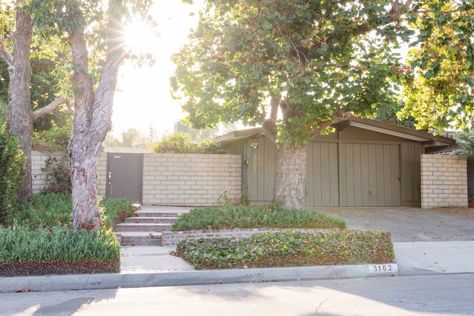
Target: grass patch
(241, 216)
(288, 248)
(55, 209)
(22, 248)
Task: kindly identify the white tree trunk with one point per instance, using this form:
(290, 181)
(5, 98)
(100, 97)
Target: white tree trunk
(92, 116)
(290, 178)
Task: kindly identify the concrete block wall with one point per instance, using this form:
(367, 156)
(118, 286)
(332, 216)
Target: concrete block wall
(38, 160)
(443, 181)
(190, 179)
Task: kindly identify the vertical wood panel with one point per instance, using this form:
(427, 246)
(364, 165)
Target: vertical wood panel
(309, 197)
(317, 174)
(350, 174)
(324, 173)
(334, 176)
(342, 175)
(387, 175)
(395, 173)
(373, 190)
(364, 159)
(357, 185)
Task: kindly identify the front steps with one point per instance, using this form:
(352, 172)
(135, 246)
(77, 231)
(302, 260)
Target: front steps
(144, 229)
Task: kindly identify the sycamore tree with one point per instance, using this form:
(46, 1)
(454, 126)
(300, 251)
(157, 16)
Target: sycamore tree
(315, 61)
(439, 89)
(93, 31)
(17, 46)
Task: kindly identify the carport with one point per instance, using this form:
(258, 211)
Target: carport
(363, 163)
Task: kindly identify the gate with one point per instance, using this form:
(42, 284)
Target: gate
(125, 176)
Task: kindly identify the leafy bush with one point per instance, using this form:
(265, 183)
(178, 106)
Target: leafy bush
(241, 216)
(53, 139)
(180, 143)
(11, 169)
(466, 142)
(20, 244)
(55, 209)
(58, 175)
(288, 248)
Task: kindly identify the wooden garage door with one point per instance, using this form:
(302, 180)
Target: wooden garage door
(369, 174)
(322, 175)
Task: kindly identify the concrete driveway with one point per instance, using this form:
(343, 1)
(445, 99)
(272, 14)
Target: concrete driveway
(410, 224)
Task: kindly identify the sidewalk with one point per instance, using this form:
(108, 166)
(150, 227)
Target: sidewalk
(416, 258)
(139, 259)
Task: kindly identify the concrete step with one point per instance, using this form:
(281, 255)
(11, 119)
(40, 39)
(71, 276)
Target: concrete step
(142, 227)
(144, 219)
(139, 238)
(156, 214)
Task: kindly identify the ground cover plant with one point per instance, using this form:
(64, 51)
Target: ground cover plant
(288, 248)
(38, 238)
(57, 250)
(242, 216)
(55, 209)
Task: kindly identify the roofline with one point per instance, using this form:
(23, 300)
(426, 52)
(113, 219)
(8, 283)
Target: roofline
(374, 125)
(238, 135)
(396, 130)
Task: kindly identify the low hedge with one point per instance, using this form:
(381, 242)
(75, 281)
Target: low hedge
(288, 248)
(59, 250)
(54, 209)
(241, 216)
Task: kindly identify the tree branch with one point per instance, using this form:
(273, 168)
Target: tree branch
(49, 108)
(5, 55)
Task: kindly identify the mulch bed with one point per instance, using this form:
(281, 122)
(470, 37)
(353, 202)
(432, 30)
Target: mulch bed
(44, 268)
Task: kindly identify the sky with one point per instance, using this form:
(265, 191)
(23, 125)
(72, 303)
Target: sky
(143, 97)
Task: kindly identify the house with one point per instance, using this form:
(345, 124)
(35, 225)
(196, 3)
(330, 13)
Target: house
(363, 163)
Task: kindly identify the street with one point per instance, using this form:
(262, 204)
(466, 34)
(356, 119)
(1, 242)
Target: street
(448, 294)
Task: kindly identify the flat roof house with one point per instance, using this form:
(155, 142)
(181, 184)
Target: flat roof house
(363, 163)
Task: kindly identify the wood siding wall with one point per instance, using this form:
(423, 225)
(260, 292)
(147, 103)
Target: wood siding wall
(347, 172)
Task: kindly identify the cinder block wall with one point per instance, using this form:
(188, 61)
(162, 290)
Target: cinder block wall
(38, 160)
(443, 181)
(190, 179)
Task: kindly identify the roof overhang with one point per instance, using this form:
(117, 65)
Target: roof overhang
(394, 130)
(239, 135)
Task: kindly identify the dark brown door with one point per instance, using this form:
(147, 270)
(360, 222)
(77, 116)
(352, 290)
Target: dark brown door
(125, 176)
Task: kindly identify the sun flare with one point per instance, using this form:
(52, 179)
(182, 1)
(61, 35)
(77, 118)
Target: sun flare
(140, 37)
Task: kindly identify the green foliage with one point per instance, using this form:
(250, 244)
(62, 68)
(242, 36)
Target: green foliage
(439, 86)
(466, 141)
(324, 57)
(11, 169)
(288, 248)
(240, 216)
(54, 209)
(20, 244)
(54, 138)
(58, 175)
(181, 143)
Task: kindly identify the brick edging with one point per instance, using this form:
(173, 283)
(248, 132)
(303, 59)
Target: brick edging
(172, 238)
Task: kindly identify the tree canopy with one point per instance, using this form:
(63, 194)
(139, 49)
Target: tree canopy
(439, 88)
(323, 58)
(326, 58)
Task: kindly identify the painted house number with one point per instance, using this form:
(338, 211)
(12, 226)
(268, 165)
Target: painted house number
(383, 268)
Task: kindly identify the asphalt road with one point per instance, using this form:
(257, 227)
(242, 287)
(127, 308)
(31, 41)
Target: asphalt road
(448, 294)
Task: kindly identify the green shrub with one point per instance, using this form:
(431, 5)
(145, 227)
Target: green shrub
(54, 139)
(20, 244)
(58, 175)
(55, 209)
(11, 169)
(241, 216)
(288, 248)
(466, 141)
(180, 143)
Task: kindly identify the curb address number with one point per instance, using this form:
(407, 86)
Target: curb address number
(383, 268)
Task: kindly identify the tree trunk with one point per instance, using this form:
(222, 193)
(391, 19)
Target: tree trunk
(20, 119)
(290, 178)
(92, 116)
(84, 203)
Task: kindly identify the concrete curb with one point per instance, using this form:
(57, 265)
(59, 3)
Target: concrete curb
(152, 279)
